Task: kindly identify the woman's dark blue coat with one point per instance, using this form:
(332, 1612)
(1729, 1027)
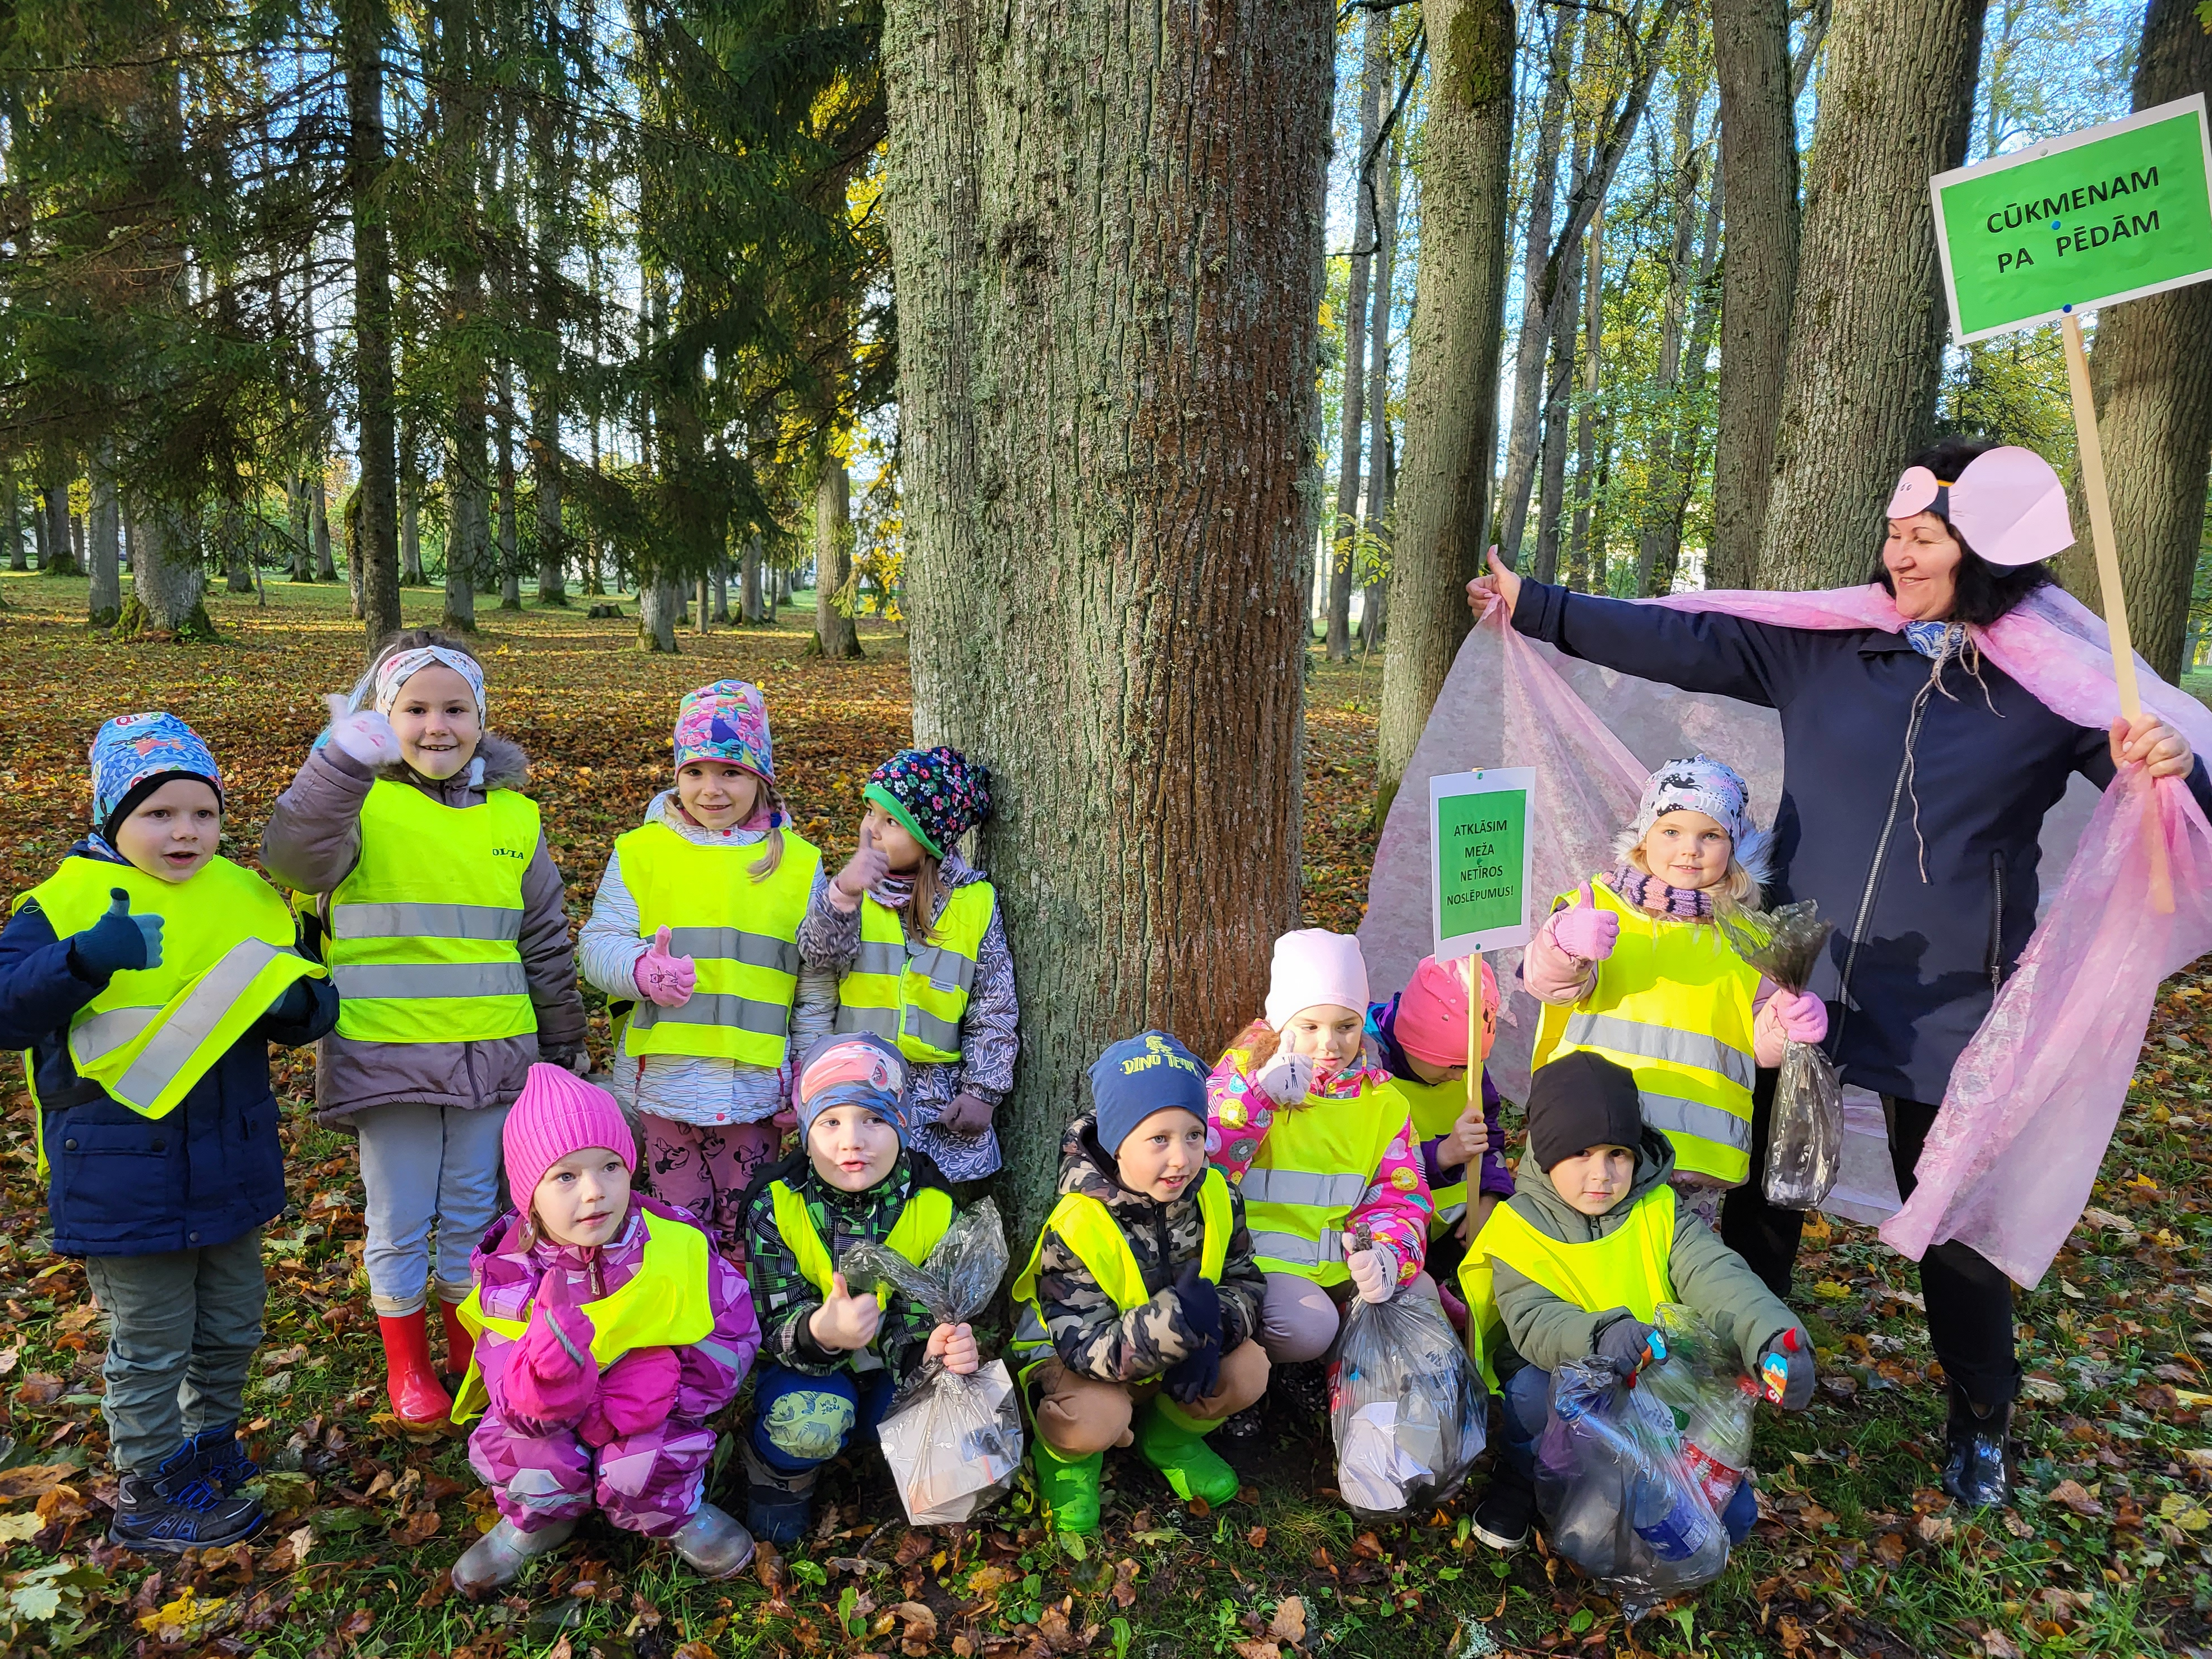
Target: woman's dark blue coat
(1928, 870)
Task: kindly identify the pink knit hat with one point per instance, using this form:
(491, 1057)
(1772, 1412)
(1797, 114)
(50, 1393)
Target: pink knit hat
(1313, 966)
(1432, 1023)
(556, 1113)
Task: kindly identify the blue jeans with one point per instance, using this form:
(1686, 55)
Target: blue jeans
(800, 1420)
(1526, 1401)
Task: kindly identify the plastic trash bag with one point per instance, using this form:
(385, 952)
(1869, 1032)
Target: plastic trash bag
(1710, 1398)
(1805, 1146)
(1406, 1407)
(953, 1443)
(1611, 1489)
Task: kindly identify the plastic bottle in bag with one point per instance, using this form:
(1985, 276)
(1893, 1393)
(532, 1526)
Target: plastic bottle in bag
(1717, 1441)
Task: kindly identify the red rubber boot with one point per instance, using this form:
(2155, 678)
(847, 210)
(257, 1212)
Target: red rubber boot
(460, 1347)
(416, 1396)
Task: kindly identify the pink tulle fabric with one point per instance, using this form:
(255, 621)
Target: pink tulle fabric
(2034, 1099)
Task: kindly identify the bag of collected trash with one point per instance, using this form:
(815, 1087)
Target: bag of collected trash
(1406, 1407)
(1805, 1146)
(953, 1443)
(1710, 1397)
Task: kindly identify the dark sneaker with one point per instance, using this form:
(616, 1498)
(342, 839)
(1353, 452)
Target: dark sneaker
(219, 1458)
(198, 1518)
(1242, 1427)
(1303, 1386)
(1505, 1514)
(1980, 1458)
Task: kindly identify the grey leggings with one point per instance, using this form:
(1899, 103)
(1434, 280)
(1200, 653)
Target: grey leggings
(422, 1166)
(1298, 1320)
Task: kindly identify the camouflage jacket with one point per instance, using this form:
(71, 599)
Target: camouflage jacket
(1090, 1334)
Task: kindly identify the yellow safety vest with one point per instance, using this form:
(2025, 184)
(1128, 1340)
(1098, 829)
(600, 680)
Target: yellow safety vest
(425, 932)
(1673, 1003)
(927, 1213)
(914, 997)
(1313, 1170)
(1436, 1108)
(743, 934)
(227, 956)
(663, 1305)
(1086, 1225)
(1626, 1268)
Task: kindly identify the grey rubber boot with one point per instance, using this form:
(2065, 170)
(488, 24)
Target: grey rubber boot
(712, 1543)
(496, 1558)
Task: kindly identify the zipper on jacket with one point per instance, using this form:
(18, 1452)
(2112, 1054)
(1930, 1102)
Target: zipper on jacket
(1997, 922)
(1874, 875)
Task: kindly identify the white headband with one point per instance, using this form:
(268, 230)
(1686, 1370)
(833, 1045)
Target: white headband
(396, 669)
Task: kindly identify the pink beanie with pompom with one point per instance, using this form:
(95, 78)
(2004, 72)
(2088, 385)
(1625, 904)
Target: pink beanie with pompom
(558, 1113)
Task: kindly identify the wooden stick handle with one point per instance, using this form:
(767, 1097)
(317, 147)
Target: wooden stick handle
(2100, 519)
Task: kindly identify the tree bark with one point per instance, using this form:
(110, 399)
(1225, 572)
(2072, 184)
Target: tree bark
(410, 515)
(168, 581)
(660, 605)
(374, 547)
(1660, 554)
(510, 528)
(1344, 536)
(1586, 482)
(1758, 182)
(319, 503)
(834, 635)
(1535, 318)
(749, 590)
(104, 548)
(1106, 368)
(1552, 470)
(15, 560)
(61, 557)
(552, 534)
(237, 555)
(1381, 463)
(2149, 367)
(1866, 324)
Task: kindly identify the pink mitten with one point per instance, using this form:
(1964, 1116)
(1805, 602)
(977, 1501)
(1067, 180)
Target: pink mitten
(552, 1376)
(662, 979)
(1804, 1016)
(362, 735)
(1582, 930)
(636, 1393)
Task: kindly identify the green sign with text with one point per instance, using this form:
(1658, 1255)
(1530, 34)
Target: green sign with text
(1479, 859)
(2110, 213)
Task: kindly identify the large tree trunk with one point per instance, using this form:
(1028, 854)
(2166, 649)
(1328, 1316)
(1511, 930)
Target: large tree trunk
(1586, 482)
(749, 592)
(1106, 367)
(1442, 505)
(659, 608)
(319, 503)
(411, 517)
(14, 499)
(1551, 466)
(167, 584)
(510, 527)
(1758, 182)
(2153, 378)
(374, 547)
(104, 548)
(1344, 537)
(1382, 464)
(1535, 318)
(552, 536)
(834, 635)
(61, 555)
(1866, 323)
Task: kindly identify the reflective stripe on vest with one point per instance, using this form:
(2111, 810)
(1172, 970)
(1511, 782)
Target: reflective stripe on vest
(1626, 1268)
(916, 998)
(227, 956)
(424, 934)
(1437, 1108)
(742, 936)
(1313, 1167)
(923, 1220)
(1086, 1225)
(665, 1305)
(1673, 1003)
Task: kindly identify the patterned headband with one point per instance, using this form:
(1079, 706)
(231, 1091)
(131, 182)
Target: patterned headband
(396, 669)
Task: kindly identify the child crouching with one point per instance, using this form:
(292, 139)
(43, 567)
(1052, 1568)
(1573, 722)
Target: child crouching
(1576, 1263)
(608, 1332)
(1142, 1300)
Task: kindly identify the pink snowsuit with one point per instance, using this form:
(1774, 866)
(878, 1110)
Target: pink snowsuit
(558, 1435)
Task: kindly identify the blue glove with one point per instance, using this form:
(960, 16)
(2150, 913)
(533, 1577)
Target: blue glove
(1197, 1375)
(1200, 1303)
(118, 942)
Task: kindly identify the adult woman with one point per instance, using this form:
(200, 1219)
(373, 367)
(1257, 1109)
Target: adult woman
(1915, 778)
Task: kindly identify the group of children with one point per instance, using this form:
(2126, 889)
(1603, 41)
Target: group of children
(1211, 1225)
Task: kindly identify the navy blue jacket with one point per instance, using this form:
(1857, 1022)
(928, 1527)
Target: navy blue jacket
(1924, 952)
(123, 1184)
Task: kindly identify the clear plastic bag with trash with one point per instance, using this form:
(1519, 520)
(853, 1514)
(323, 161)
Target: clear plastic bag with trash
(953, 1443)
(1708, 1395)
(1407, 1408)
(1615, 1497)
(1805, 1144)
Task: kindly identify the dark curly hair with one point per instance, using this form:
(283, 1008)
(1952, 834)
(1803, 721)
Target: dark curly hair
(1986, 592)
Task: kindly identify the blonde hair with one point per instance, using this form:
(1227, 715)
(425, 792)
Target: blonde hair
(1735, 892)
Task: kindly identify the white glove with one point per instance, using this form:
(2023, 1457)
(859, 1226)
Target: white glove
(1285, 1078)
(362, 735)
(1374, 1272)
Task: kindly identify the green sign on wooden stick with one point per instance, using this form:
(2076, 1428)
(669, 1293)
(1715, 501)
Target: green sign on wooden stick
(2110, 213)
(1479, 850)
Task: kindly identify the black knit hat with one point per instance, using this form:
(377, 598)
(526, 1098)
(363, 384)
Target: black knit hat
(1580, 1100)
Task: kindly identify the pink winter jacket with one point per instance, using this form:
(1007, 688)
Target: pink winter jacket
(1554, 975)
(545, 1380)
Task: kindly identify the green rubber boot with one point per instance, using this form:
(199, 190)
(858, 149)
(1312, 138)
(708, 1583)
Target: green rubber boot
(1173, 1441)
(1068, 1487)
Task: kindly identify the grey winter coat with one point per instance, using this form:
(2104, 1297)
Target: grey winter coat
(1546, 1331)
(313, 842)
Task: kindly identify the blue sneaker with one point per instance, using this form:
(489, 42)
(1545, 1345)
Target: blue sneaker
(179, 1508)
(220, 1458)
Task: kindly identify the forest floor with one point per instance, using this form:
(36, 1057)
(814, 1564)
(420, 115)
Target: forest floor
(1855, 1553)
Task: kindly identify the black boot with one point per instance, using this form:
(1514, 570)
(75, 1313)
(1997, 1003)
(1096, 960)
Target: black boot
(1506, 1511)
(1980, 1459)
(178, 1508)
(779, 1506)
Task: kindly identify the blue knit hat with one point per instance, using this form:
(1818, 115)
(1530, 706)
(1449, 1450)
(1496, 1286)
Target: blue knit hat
(133, 755)
(1140, 1075)
(854, 1069)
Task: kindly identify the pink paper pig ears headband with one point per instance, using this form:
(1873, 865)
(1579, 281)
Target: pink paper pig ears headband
(2007, 504)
